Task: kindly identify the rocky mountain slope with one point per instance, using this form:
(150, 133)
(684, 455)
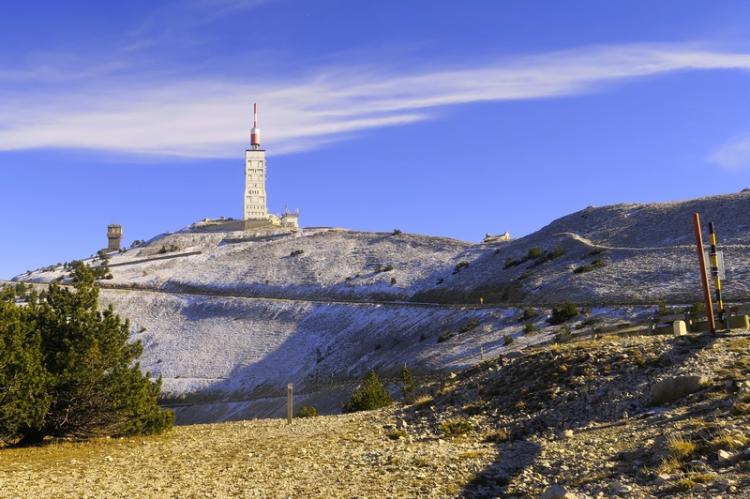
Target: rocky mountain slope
(229, 318)
(570, 419)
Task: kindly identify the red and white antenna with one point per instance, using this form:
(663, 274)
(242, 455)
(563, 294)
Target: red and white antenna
(255, 132)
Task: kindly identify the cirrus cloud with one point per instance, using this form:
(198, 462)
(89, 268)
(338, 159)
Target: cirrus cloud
(209, 118)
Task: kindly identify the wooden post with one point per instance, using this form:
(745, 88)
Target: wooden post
(289, 402)
(704, 276)
(481, 353)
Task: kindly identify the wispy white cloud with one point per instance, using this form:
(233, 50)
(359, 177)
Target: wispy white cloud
(733, 155)
(210, 118)
(175, 22)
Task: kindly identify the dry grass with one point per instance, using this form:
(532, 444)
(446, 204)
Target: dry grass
(680, 448)
(692, 479)
(728, 440)
(670, 466)
(423, 400)
(497, 436)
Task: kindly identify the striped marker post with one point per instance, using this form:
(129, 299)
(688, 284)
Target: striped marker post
(714, 259)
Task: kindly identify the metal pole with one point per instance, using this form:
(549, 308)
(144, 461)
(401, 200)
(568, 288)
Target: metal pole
(704, 276)
(289, 402)
(715, 272)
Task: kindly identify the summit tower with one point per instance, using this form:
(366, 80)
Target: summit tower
(256, 209)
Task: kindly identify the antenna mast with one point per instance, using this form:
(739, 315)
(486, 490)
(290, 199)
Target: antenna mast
(255, 132)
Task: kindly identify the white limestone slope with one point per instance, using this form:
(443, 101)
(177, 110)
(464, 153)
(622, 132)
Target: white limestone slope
(228, 319)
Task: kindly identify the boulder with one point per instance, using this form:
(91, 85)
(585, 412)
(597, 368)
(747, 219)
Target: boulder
(671, 389)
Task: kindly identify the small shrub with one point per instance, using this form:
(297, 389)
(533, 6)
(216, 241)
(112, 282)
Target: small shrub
(470, 324)
(307, 411)
(529, 328)
(564, 334)
(697, 309)
(507, 340)
(456, 427)
(555, 253)
(596, 264)
(396, 434)
(534, 253)
(383, 268)
(497, 436)
(393, 281)
(168, 248)
(371, 394)
(460, 266)
(297, 252)
(523, 276)
(445, 336)
(662, 309)
(396, 232)
(528, 314)
(563, 313)
(511, 262)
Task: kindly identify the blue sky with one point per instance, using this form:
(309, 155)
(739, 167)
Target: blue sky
(437, 117)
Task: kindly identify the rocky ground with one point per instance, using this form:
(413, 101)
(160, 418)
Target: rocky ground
(327, 456)
(634, 416)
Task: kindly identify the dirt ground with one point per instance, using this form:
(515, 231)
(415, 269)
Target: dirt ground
(336, 456)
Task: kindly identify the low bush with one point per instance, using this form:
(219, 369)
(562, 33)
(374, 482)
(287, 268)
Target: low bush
(396, 232)
(528, 314)
(497, 436)
(460, 266)
(456, 427)
(534, 253)
(445, 336)
(307, 411)
(396, 434)
(596, 264)
(297, 252)
(168, 248)
(470, 324)
(563, 313)
(371, 394)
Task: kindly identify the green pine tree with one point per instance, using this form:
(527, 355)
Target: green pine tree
(407, 383)
(23, 379)
(96, 386)
(369, 395)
